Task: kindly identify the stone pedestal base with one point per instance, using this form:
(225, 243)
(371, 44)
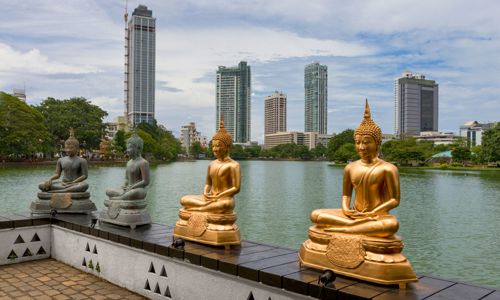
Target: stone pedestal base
(208, 228)
(377, 260)
(63, 203)
(125, 213)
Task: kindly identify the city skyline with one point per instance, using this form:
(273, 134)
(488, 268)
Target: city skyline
(75, 49)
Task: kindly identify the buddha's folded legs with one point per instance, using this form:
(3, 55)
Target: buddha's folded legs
(59, 187)
(334, 220)
(198, 203)
(122, 194)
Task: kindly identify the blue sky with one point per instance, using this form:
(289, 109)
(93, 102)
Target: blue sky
(72, 48)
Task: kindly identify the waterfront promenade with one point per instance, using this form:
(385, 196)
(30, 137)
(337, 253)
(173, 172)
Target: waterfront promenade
(49, 279)
(252, 270)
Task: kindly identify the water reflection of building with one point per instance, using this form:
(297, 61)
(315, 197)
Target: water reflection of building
(416, 105)
(473, 131)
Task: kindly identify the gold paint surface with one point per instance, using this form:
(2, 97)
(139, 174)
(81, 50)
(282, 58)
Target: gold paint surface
(209, 218)
(359, 238)
(345, 251)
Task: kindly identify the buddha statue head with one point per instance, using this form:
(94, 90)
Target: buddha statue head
(221, 141)
(71, 145)
(368, 136)
(135, 145)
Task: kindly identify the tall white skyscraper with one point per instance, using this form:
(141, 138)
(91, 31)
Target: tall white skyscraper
(140, 60)
(416, 102)
(232, 95)
(316, 98)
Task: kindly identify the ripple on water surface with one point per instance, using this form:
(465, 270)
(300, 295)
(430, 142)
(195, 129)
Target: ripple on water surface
(448, 219)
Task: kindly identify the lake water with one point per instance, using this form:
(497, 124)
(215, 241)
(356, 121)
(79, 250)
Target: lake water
(449, 220)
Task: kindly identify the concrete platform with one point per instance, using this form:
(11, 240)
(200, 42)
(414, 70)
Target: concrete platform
(254, 264)
(49, 279)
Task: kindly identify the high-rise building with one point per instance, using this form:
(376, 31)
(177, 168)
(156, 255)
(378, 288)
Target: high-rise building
(416, 105)
(190, 135)
(140, 61)
(316, 98)
(275, 113)
(232, 94)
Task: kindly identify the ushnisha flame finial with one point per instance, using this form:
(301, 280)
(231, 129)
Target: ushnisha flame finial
(368, 126)
(72, 140)
(222, 134)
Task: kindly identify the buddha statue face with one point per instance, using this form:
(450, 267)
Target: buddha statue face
(132, 149)
(366, 146)
(134, 146)
(219, 149)
(71, 149)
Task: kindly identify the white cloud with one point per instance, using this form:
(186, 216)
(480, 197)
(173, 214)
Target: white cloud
(32, 61)
(75, 48)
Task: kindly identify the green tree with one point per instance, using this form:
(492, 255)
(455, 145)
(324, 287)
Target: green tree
(491, 144)
(345, 153)
(319, 151)
(253, 151)
(461, 154)
(346, 136)
(119, 142)
(85, 118)
(237, 152)
(406, 151)
(195, 149)
(477, 154)
(158, 141)
(22, 128)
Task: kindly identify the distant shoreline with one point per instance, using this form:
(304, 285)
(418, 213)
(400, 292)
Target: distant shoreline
(156, 162)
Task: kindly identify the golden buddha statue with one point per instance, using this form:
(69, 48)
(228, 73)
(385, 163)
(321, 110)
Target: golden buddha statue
(359, 240)
(209, 218)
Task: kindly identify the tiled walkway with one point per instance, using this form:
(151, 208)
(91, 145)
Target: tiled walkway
(50, 279)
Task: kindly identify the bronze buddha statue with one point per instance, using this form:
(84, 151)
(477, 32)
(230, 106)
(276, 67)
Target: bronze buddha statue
(209, 218)
(359, 240)
(70, 193)
(127, 204)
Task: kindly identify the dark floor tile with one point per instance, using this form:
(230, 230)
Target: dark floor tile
(251, 270)
(461, 291)
(425, 287)
(272, 276)
(362, 291)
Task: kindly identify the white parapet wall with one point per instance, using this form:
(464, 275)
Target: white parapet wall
(24, 244)
(152, 275)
